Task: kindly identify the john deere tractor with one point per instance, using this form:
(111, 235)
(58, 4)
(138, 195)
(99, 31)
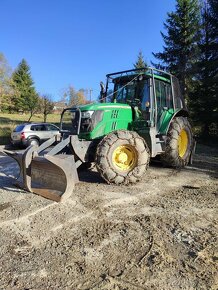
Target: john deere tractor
(141, 115)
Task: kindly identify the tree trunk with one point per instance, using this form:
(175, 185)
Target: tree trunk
(206, 130)
(31, 114)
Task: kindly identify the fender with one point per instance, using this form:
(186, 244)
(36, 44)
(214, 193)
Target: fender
(169, 116)
(33, 137)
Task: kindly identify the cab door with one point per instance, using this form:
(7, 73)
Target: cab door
(143, 119)
(164, 101)
(147, 106)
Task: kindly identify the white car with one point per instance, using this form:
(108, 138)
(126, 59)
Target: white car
(33, 134)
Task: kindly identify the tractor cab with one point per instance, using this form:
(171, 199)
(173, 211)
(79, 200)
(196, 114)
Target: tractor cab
(155, 93)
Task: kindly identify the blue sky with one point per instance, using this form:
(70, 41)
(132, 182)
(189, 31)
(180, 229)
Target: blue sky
(75, 42)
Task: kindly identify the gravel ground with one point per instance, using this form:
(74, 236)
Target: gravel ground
(160, 233)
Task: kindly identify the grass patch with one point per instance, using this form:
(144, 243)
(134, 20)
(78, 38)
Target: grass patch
(9, 121)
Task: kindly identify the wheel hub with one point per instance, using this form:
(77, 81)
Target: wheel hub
(182, 143)
(124, 157)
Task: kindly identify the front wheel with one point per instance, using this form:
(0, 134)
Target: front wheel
(122, 157)
(179, 143)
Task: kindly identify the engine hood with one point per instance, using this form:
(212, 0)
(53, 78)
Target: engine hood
(104, 106)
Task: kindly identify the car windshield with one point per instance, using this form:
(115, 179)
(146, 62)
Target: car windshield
(19, 128)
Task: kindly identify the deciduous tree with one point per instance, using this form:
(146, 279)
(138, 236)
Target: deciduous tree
(6, 89)
(46, 106)
(74, 97)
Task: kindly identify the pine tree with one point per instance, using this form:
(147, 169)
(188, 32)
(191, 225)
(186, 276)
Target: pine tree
(204, 101)
(180, 51)
(213, 20)
(140, 63)
(27, 99)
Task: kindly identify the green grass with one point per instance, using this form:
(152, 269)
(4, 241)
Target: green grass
(9, 121)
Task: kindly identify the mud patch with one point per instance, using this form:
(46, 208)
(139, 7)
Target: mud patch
(93, 249)
(5, 205)
(160, 233)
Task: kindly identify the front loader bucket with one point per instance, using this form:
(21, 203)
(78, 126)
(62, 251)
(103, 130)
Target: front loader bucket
(23, 159)
(52, 177)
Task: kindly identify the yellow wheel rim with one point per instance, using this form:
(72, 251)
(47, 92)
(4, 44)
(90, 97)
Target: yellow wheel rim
(182, 143)
(124, 157)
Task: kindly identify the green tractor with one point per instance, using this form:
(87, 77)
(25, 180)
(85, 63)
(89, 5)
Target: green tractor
(141, 115)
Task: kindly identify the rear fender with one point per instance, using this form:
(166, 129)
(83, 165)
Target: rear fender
(168, 119)
(33, 137)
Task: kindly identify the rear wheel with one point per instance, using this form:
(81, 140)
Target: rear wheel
(33, 142)
(179, 143)
(122, 157)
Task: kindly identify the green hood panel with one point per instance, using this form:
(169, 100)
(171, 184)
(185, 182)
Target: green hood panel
(115, 117)
(103, 106)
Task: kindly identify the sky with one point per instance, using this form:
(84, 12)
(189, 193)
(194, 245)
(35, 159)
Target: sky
(77, 42)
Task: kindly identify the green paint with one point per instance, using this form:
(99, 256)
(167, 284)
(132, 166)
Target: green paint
(158, 77)
(115, 117)
(165, 120)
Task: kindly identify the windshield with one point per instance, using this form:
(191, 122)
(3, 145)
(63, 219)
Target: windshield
(134, 91)
(124, 93)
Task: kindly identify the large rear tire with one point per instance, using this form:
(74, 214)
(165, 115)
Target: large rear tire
(122, 157)
(179, 143)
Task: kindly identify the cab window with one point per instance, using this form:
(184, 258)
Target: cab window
(169, 97)
(160, 88)
(125, 93)
(178, 98)
(145, 96)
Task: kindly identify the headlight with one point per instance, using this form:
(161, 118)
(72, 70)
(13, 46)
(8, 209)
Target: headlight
(86, 114)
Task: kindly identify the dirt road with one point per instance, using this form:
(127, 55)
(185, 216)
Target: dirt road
(158, 234)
